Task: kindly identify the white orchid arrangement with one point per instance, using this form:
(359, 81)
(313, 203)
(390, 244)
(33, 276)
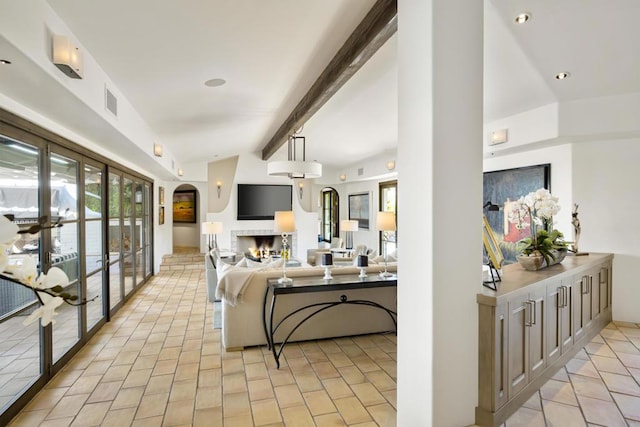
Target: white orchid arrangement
(48, 288)
(540, 207)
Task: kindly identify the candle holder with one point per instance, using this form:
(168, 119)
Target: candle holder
(362, 262)
(327, 263)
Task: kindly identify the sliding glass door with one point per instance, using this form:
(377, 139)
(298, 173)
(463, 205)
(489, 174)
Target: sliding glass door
(94, 223)
(21, 347)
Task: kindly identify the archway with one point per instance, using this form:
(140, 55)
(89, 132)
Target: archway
(186, 214)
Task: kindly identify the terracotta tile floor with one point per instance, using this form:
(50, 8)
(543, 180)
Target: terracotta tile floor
(598, 387)
(160, 363)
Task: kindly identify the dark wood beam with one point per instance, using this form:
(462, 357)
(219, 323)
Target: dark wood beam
(375, 29)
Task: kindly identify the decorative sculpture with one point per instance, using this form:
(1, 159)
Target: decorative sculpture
(575, 221)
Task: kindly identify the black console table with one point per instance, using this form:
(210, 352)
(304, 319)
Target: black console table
(317, 284)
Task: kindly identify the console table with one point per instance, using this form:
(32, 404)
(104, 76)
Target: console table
(316, 284)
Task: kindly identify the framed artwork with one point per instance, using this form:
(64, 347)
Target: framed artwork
(504, 187)
(161, 215)
(161, 195)
(359, 209)
(184, 206)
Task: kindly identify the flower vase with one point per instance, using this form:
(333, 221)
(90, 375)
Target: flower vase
(537, 262)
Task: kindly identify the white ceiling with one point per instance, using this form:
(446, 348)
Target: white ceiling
(160, 53)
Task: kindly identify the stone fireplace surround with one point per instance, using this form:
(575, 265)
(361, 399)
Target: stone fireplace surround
(242, 240)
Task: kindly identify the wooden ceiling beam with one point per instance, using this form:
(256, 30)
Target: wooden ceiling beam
(375, 29)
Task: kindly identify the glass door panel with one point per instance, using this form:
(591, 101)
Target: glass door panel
(115, 242)
(93, 246)
(148, 207)
(128, 236)
(139, 236)
(20, 345)
(65, 248)
(388, 203)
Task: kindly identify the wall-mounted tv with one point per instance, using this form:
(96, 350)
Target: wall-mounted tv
(260, 201)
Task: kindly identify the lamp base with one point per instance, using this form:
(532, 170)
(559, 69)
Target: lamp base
(363, 273)
(385, 274)
(327, 273)
(285, 280)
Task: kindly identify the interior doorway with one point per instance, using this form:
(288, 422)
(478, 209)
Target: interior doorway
(186, 211)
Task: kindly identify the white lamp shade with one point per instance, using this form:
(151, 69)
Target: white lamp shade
(349, 225)
(284, 222)
(295, 169)
(213, 227)
(386, 221)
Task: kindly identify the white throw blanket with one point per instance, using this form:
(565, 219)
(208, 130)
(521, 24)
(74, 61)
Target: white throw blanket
(232, 281)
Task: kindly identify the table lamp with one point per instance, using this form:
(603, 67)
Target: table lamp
(284, 223)
(385, 221)
(212, 228)
(327, 263)
(349, 226)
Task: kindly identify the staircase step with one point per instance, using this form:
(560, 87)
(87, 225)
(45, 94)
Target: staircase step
(179, 262)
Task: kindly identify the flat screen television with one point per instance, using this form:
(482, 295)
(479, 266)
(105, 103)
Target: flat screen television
(260, 201)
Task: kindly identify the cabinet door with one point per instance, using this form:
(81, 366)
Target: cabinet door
(537, 344)
(567, 316)
(582, 306)
(555, 309)
(594, 288)
(519, 318)
(605, 285)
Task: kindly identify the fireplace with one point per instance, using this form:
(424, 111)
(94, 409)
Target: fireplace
(260, 240)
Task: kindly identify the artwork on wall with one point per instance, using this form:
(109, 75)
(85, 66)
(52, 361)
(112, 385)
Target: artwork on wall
(506, 186)
(161, 215)
(184, 206)
(161, 196)
(359, 209)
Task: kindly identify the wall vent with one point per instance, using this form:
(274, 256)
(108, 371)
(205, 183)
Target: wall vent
(110, 102)
(360, 171)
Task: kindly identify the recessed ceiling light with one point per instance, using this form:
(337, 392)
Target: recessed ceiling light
(563, 75)
(5, 62)
(522, 18)
(215, 82)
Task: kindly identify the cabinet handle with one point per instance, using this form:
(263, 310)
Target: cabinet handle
(527, 313)
(533, 312)
(584, 285)
(560, 297)
(565, 293)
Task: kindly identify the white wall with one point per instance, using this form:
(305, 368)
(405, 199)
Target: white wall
(251, 169)
(605, 185)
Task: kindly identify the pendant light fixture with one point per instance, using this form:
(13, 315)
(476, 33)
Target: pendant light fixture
(295, 167)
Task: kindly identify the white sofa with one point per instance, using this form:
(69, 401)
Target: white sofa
(242, 323)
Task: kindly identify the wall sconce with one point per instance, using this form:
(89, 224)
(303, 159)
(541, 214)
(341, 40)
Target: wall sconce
(301, 189)
(343, 177)
(498, 137)
(219, 187)
(180, 172)
(67, 57)
(391, 165)
(157, 150)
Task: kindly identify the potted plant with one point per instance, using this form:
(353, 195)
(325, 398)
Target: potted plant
(545, 246)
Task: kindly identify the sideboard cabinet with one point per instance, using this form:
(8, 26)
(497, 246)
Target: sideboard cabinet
(534, 324)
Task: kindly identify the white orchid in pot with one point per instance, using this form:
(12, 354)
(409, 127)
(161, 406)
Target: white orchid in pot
(48, 288)
(545, 243)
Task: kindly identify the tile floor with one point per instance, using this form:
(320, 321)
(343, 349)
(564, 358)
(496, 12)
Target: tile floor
(598, 387)
(160, 363)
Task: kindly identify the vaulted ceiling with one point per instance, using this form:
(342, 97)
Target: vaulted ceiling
(161, 53)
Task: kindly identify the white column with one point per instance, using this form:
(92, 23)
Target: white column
(440, 53)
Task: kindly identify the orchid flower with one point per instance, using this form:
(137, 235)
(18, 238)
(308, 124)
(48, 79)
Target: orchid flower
(46, 311)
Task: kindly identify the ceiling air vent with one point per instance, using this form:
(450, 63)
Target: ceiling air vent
(360, 171)
(110, 102)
